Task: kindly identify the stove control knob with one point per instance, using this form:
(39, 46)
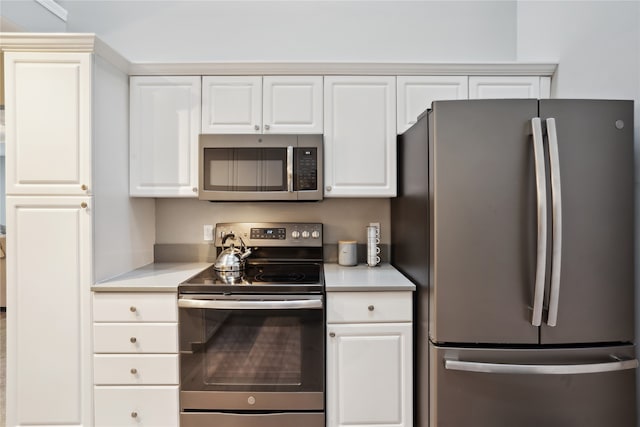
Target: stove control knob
(295, 234)
(315, 234)
(305, 234)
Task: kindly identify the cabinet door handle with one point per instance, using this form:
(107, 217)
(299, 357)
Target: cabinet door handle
(83, 187)
(332, 334)
(256, 127)
(134, 371)
(371, 308)
(83, 205)
(134, 414)
(267, 127)
(133, 340)
(133, 309)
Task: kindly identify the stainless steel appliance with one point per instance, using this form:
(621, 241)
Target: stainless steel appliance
(260, 167)
(252, 340)
(515, 219)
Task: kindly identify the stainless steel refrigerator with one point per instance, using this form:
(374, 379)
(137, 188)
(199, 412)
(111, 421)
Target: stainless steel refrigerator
(515, 219)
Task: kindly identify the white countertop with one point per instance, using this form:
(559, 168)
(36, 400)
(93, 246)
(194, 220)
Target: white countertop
(155, 277)
(166, 276)
(361, 277)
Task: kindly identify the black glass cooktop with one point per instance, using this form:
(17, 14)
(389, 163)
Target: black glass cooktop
(268, 277)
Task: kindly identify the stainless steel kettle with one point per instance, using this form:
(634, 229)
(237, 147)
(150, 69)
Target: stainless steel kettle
(232, 258)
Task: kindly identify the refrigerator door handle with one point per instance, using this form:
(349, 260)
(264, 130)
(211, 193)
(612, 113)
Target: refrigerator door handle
(556, 222)
(504, 368)
(541, 191)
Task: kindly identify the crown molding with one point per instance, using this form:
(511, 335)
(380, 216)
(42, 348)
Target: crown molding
(343, 68)
(62, 42)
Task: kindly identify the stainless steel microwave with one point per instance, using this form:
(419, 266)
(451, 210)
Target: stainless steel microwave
(260, 167)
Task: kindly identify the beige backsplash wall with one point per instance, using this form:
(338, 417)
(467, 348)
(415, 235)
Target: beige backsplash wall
(182, 220)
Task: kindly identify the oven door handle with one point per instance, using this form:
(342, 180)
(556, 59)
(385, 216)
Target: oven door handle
(251, 305)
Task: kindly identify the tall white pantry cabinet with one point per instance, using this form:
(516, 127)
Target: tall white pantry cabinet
(68, 217)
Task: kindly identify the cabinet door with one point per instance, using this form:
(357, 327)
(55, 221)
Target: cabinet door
(415, 94)
(49, 322)
(292, 104)
(489, 87)
(165, 123)
(360, 136)
(48, 123)
(231, 104)
(369, 372)
(155, 406)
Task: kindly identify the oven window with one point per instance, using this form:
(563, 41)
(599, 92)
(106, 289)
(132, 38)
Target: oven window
(251, 350)
(245, 169)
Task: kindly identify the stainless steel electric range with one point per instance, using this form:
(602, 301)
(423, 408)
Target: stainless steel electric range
(252, 330)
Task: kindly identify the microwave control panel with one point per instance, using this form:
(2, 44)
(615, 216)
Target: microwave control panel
(306, 169)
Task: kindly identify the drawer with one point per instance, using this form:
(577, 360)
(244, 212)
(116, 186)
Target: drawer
(151, 369)
(135, 307)
(350, 307)
(136, 406)
(135, 337)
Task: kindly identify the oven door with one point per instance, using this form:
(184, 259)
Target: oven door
(251, 352)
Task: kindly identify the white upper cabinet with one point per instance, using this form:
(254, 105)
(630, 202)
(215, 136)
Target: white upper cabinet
(273, 104)
(165, 123)
(360, 136)
(231, 104)
(52, 120)
(416, 93)
(484, 87)
(292, 104)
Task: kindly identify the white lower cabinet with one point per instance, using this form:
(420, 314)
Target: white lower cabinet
(48, 322)
(136, 371)
(154, 406)
(369, 362)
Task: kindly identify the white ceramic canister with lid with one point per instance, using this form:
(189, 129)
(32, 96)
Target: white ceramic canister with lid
(347, 252)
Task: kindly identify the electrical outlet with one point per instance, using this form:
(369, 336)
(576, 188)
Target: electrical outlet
(208, 233)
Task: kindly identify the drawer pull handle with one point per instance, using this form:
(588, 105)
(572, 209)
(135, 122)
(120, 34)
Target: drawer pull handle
(134, 371)
(371, 308)
(133, 309)
(332, 334)
(134, 414)
(133, 340)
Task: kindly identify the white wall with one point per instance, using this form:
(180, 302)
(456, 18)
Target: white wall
(181, 221)
(29, 15)
(301, 30)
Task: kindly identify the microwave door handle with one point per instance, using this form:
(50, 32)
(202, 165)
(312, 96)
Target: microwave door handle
(290, 169)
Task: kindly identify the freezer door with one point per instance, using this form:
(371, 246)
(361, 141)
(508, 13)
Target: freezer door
(596, 287)
(483, 222)
(528, 388)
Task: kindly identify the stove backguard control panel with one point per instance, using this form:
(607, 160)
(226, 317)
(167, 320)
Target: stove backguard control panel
(274, 234)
